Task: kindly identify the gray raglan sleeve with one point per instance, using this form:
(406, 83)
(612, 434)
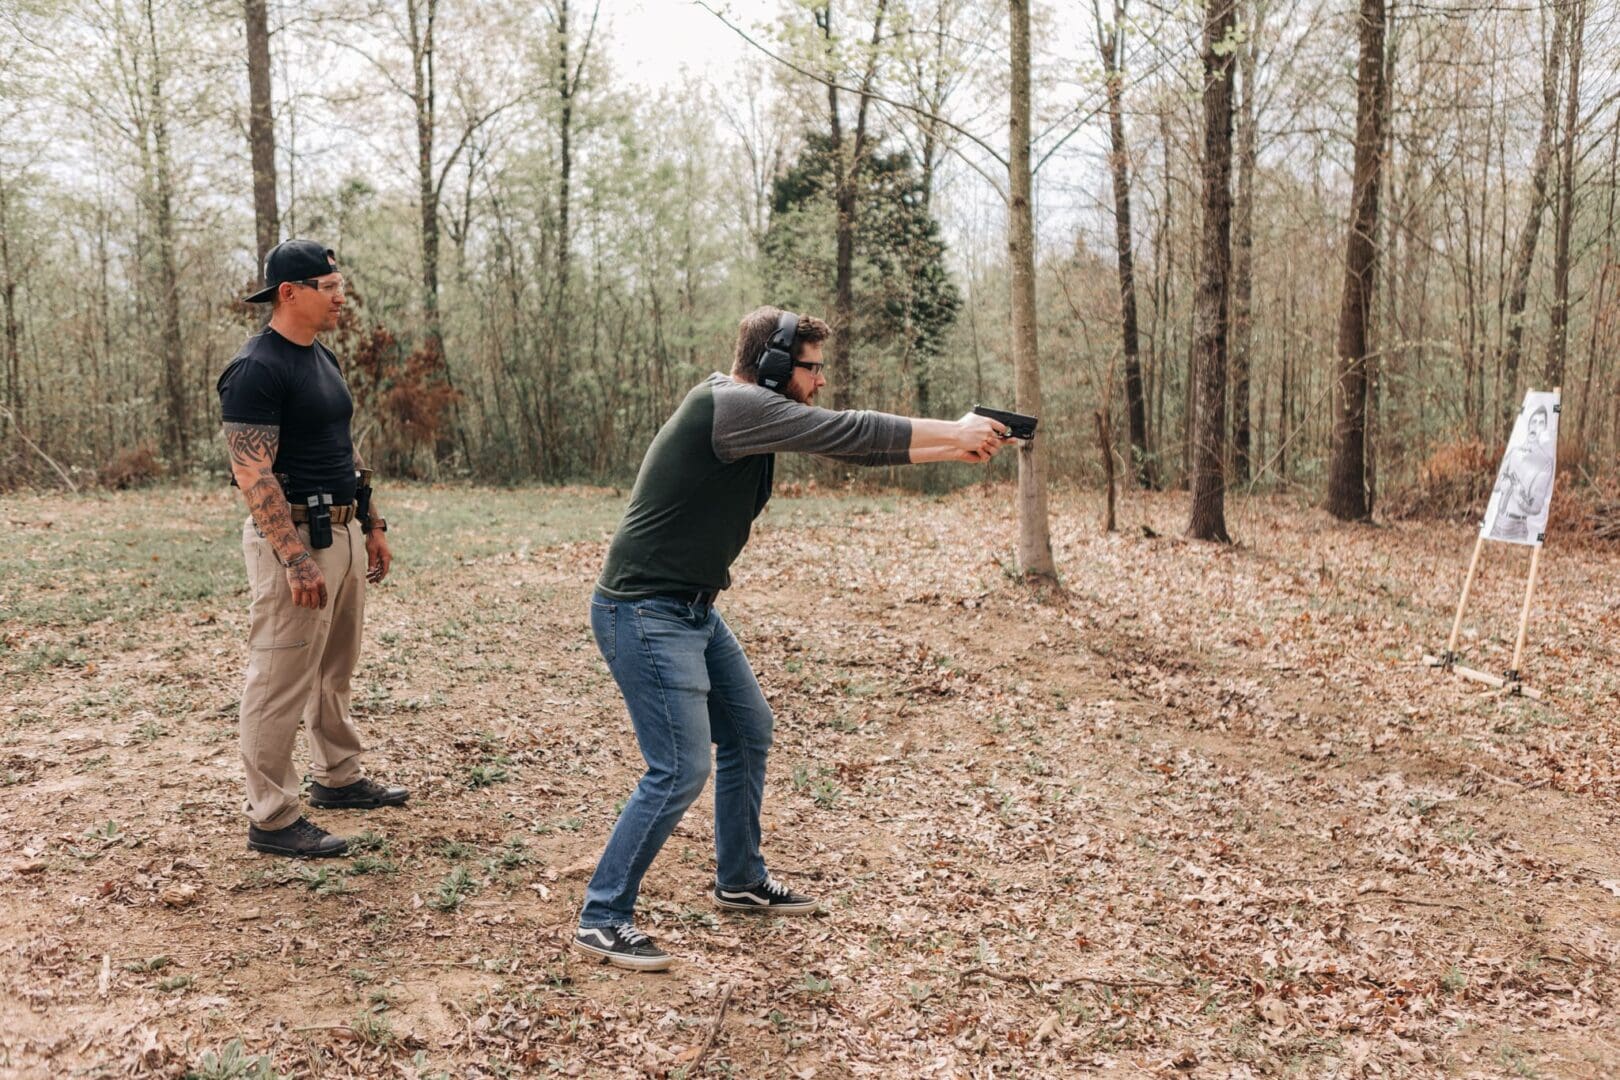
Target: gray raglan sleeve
(749, 419)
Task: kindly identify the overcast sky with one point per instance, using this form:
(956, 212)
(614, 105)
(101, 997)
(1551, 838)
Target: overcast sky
(654, 41)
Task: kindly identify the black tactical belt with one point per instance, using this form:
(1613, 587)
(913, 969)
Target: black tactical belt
(341, 515)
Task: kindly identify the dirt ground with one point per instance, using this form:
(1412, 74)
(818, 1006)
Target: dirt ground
(1205, 814)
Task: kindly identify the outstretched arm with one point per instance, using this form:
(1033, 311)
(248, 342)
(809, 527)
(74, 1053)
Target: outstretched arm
(252, 449)
(972, 438)
(749, 420)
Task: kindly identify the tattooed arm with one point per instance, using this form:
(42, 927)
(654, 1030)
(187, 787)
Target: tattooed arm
(252, 450)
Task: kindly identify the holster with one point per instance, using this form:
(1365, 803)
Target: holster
(362, 497)
(320, 520)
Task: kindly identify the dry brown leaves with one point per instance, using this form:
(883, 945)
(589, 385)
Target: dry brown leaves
(1206, 815)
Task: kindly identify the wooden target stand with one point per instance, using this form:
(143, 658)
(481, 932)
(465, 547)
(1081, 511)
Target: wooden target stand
(1510, 681)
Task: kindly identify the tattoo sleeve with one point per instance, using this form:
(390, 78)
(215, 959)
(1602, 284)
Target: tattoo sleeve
(252, 449)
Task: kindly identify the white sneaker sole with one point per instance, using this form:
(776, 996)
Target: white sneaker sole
(634, 963)
(806, 908)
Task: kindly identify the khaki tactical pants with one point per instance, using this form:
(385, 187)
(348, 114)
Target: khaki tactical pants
(299, 664)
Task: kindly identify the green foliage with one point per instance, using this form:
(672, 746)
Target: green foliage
(485, 775)
(233, 1063)
(905, 300)
(457, 885)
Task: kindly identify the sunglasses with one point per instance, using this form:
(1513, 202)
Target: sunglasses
(330, 288)
(814, 369)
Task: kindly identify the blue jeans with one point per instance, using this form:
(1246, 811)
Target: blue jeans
(686, 683)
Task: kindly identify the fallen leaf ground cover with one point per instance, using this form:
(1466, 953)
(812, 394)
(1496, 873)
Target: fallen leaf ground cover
(1202, 814)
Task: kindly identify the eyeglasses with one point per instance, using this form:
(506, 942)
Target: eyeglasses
(814, 369)
(330, 288)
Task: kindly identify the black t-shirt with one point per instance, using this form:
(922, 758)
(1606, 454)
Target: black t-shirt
(300, 389)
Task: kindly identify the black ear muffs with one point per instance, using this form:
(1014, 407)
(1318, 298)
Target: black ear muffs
(776, 362)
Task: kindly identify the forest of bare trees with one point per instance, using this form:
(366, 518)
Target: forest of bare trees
(1317, 245)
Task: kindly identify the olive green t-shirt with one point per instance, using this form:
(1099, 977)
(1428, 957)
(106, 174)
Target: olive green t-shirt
(707, 476)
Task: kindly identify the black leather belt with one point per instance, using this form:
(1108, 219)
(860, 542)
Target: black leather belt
(701, 598)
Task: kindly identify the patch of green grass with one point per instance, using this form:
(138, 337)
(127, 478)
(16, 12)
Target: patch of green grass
(325, 881)
(698, 917)
(373, 864)
(46, 657)
(370, 840)
(844, 724)
(455, 850)
(150, 731)
(110, 833)
(1515, 1061)
(233, 1063)
(373, 1029)
(150, 964)
(419, 1063)
(827, 793)
(514, 853)
(456, 887)
(487, 774)
(812, 985)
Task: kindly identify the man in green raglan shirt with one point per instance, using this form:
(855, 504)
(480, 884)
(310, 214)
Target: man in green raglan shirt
(685, 680)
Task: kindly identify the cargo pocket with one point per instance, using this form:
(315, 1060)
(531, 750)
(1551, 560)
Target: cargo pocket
(274, 621)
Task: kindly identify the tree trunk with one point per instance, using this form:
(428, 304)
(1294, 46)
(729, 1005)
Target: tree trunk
(1034, 529)
(162, 191)
(1524, 253)
(1105, 443)
(1110, 42)
(846, 182)
(1348, 497)
(1208, 519)
(1243, 256)
(8, 294)
(565, 175)
(1558, 346)
(421, 15)
(261, 133)
(1601, 310)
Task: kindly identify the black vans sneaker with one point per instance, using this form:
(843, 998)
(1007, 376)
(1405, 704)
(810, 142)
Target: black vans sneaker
(622, 945)
(303, 839)
(771, 896)
(363, 794)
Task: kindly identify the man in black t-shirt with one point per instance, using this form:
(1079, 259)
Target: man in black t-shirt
(286, 409)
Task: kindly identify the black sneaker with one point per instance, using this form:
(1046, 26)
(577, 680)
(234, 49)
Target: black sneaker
(771, 895)
(622, 945)
(303, 839)
(360, 795)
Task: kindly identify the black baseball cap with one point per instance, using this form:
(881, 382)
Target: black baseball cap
(293, 260)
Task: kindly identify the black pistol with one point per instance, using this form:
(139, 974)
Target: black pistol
(1018, 425)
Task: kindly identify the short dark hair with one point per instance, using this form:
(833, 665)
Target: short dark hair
(754, 334)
